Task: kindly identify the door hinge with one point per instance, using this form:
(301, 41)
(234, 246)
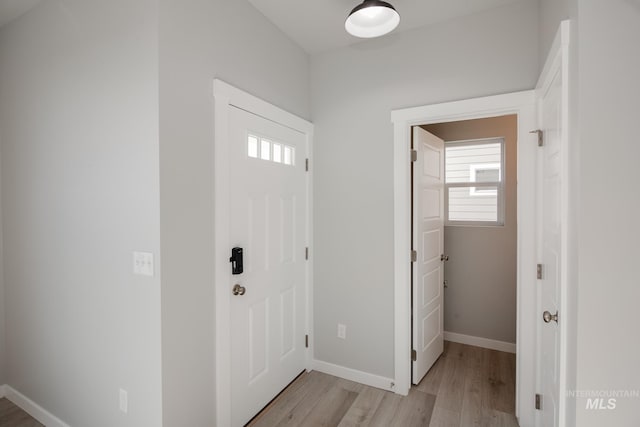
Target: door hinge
(414, 256)
(306, 253)
(414, 355)
(540, 137)
(306, 341)
(414, 155)
(306, 165)
(539, 271)
(538, 401)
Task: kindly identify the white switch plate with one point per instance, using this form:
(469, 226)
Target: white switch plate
(342, 331)
(143, 263)
(124, 401)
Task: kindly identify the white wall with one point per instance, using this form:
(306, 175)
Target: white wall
(80, 192)
(353, 92)
(480, 300)
(200, 40)
(609, 208)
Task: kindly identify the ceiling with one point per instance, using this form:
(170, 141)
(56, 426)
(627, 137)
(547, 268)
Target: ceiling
(318, 25)
(11, 9)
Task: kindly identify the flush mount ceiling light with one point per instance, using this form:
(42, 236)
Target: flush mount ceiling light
(372, 18)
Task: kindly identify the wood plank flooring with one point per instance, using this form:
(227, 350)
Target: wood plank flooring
(12, 416)
(467, 387)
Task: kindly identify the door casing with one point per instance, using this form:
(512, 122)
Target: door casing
(522, 104)
(226, 96)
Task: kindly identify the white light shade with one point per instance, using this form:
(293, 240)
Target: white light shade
(372, 18)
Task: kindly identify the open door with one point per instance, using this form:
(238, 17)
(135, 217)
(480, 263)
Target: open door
(428, 244)
(553, 195)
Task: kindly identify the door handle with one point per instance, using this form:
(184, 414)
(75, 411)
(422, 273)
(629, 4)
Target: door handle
(444, 257)
(548, 317)
(239, 290)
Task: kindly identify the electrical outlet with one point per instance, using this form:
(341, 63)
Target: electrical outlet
(143, 263)
(124, 401)
(342, 331)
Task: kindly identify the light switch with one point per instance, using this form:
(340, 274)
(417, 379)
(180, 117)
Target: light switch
(143, 263)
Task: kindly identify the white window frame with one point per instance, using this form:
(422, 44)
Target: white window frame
(472, 185)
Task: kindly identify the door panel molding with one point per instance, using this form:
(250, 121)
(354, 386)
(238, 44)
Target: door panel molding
(225, 98)
(523, 105)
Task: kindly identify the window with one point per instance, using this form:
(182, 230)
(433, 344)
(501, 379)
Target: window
(265, 149)
(277, 153)
(474, 182)
(489, 172)
(270, 151)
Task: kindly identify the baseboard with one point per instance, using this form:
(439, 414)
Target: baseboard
(32, 408)
(480, 342)
(354, 375)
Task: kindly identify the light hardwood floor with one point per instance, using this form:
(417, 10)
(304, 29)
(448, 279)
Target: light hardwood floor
(12, 416)
(467, 387)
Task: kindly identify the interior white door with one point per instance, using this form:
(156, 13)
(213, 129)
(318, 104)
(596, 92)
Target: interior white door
(268, 205)
(428, 242)
(551, 246)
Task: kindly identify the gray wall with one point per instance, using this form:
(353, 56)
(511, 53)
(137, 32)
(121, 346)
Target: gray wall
(481, 273)
(199, 41)
(3, 343)
(80, 192)
(552, 12)
(609, 207)
(85, 96)
(353, 92)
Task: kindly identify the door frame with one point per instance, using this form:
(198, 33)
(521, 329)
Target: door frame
(225, 98)
(522, 104)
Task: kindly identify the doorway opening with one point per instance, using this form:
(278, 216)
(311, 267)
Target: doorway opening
(464, 270)
(521, 105)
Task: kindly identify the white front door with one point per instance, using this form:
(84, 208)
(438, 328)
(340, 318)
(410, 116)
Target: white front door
(268, 206)
(428, 242)
(552, 200)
